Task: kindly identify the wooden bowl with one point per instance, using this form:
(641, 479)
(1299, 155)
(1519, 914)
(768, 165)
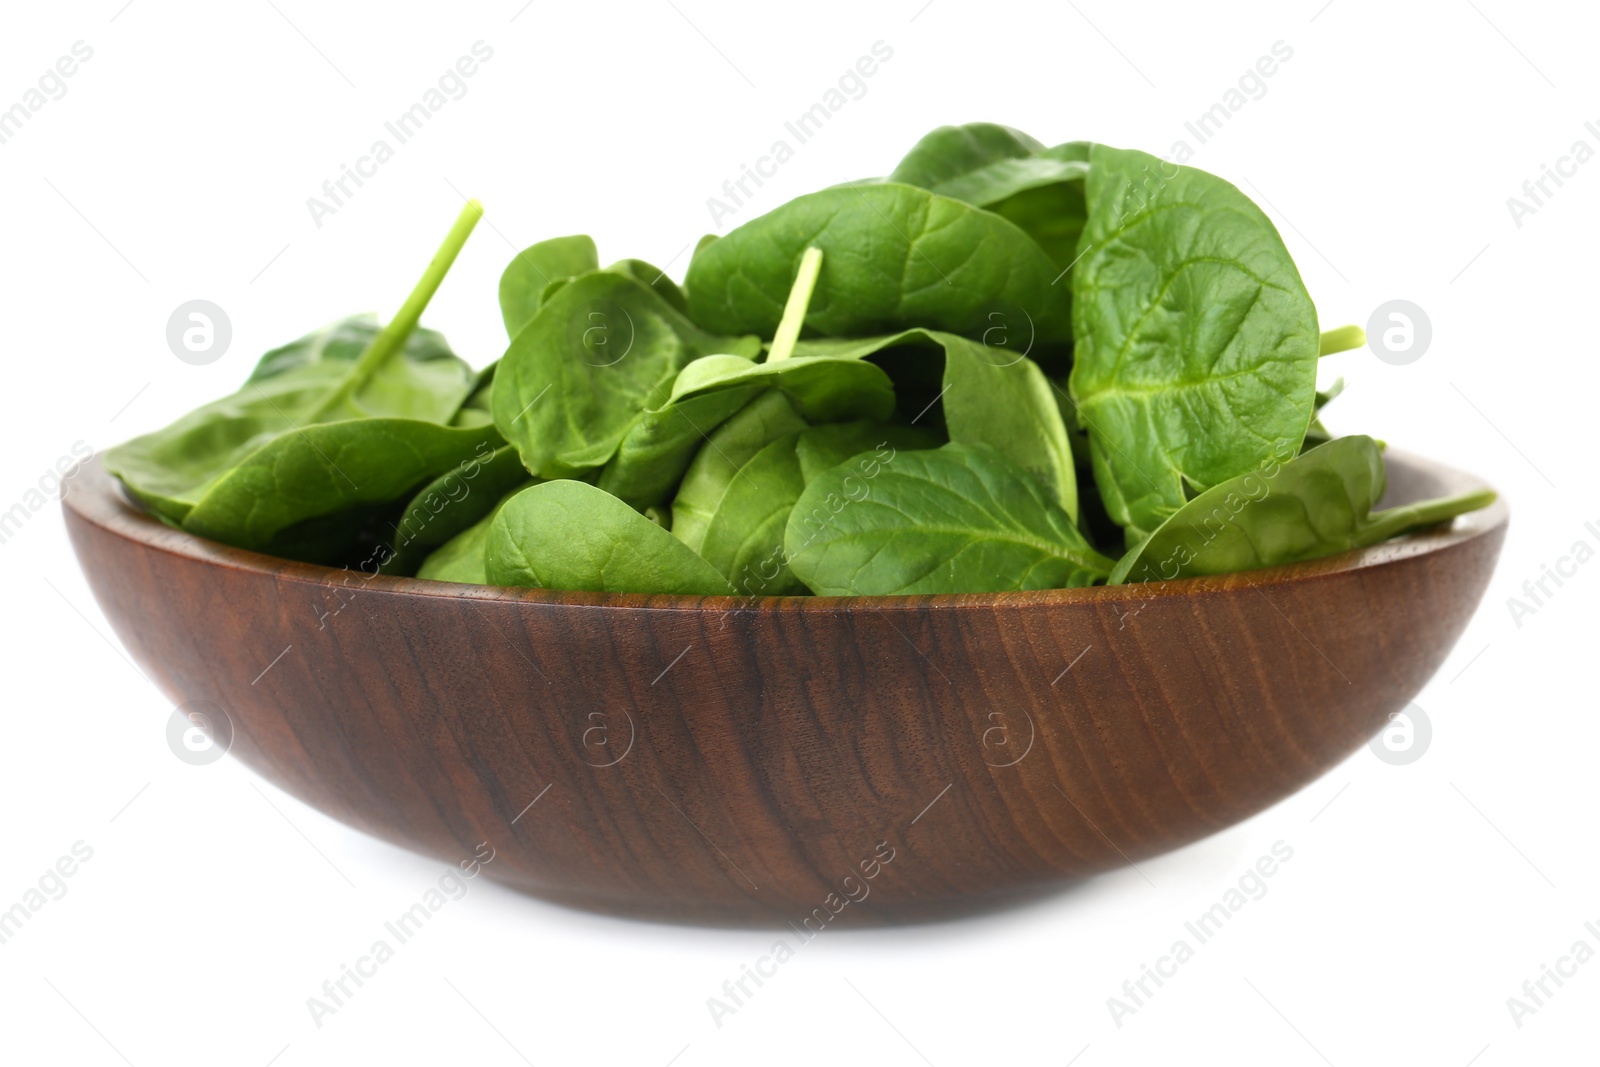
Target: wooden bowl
(809, 760)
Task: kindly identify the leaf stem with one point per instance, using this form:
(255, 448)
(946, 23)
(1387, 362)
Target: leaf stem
(392, 337)
(794, 311)
(1390, 522)
(1341, 340)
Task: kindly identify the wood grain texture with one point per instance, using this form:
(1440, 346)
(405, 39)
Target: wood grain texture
(737, 761)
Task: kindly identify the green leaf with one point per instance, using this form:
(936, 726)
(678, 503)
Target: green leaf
(452, 502)
(170, 469)
(477, 409)
(379, 356)
(655, 278)
(523, 285)
(427, 381)
(1316, 504)
(895, 256)
(991, 395)
(962, 518)
(821, 448)
(823, 388)
(431, 392)
(1009, 173)
(186, 472)
(769, 416)
(327, 469)
(1196, 341)
(952, 153)
(658, 448)
(660, 444)
(460, 559)
(603, 349)
(343, 342)
(744, 537)
(570, 535)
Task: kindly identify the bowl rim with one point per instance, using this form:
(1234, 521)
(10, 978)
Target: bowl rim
(92, 495)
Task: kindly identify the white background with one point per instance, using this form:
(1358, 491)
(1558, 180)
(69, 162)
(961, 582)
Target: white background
(177, 166)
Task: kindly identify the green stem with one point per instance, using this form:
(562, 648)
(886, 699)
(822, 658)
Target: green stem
(392, 337)
(794, 312)
(1341, 340)
(1392, 522)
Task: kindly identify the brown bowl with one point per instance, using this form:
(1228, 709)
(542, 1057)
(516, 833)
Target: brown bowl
(877, 759)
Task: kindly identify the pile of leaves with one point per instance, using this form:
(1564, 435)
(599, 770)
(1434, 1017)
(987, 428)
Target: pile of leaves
(1004, 366)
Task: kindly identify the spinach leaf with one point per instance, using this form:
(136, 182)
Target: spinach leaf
(460, 559)
(896, 256)
(1313, 505)
(168, 470)
(172, 470)
(535, 269)
(345, 340)
(701, 245)
(657, 279)
(477, 409)
(952, 153)
(1009, 173)
(452, 502)
(729, 447)
(1053, 213)
(993, 396)
(664, 457)
(744, 535)
(602, 349)
(962, 518)
(823, 389)
(1196, 342)
(571, 535)
(821, 448)
(661, 443)
(326, 469)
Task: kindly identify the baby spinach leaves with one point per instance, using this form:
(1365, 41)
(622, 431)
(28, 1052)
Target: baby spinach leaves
(600, 350)
(327, 468)
(895, 256)
(885, 387)
(744, 534)
(951, 155)
(315, 434)
(1197, 344)
(744, 537)
(460, 559)
(961, 517)
(656, 279)
(1316, 504)
(661, 441)
(571, 535)
(1011, 174)
(343, 342)
(451, 503)
(726, 450)
(541, 267)
(990, 395)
